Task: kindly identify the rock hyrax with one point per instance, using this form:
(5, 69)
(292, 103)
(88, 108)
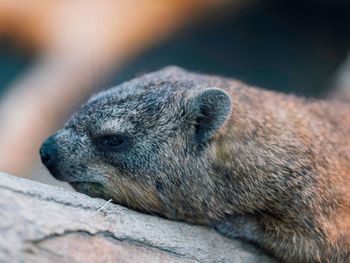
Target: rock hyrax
(268, 168)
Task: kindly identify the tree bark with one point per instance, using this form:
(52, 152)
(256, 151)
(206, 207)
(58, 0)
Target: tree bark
(43, 223)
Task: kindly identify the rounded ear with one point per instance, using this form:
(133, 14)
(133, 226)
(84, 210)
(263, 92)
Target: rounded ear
(210, 108)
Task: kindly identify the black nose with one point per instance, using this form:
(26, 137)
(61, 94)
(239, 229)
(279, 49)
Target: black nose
(49, 154)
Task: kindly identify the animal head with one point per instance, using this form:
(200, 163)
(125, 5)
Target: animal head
(144, 144)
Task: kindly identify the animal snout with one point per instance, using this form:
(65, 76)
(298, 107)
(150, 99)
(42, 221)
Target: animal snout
(49, 154)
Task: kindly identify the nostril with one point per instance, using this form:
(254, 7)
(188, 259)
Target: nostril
(45, 157)
(48, 153)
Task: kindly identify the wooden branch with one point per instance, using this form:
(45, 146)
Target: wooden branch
(42, 223)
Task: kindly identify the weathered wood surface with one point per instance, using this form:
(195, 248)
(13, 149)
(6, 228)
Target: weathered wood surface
(42, 223)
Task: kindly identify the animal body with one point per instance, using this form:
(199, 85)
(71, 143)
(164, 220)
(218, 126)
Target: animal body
(268, 168)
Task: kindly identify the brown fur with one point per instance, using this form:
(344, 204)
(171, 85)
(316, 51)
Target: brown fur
(317, 131)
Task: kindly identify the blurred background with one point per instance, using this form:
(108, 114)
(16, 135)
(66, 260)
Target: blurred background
(55, 54)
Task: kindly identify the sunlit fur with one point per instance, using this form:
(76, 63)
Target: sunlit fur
(276, 173)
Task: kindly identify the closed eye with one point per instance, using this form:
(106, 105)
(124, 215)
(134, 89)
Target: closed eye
(112, 143)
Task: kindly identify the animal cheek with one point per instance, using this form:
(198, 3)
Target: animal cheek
(101, 171)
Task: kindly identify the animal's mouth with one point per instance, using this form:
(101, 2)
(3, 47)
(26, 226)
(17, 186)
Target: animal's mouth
(85, 183)
(92, 189)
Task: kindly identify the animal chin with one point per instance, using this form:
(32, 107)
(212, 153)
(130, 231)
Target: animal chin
(91, 188)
